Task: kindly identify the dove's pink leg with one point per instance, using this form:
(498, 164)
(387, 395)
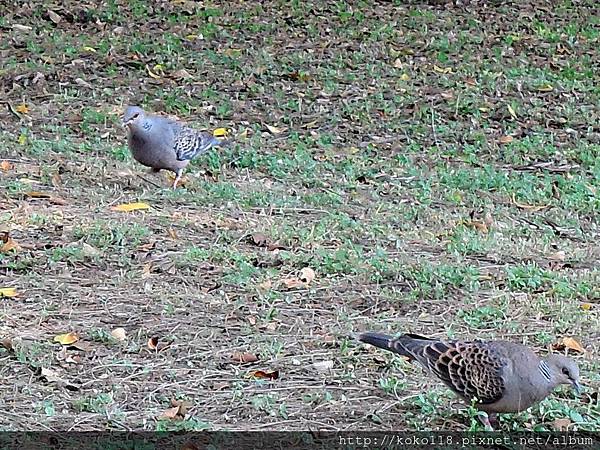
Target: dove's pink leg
(485, 420)
(178, 174)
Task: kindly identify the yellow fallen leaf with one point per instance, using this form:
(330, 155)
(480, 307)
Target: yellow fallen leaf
(404, 77)
(512, 111)
(586, 306)
(545, 88)
(22, 139)
(90, 49)
(8, 292)
(127, 207)
(66, 339)
(220, 132)
(22, 108)
(439, 69)
(152, 74)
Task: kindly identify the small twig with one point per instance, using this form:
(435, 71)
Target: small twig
(150, 182)
(435, 139)
(12, 110)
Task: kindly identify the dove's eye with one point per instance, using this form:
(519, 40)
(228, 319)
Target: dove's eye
(565, 371)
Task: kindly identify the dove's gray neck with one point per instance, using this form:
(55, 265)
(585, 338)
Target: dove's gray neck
(544, 369)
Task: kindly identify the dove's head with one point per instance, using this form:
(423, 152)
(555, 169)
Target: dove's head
(133, 115)
(564, 371)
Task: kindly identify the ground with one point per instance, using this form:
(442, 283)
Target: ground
(396, 166)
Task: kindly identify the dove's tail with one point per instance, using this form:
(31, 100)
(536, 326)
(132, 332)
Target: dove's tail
(387, 342)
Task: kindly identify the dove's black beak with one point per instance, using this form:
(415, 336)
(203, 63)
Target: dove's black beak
(576, 387)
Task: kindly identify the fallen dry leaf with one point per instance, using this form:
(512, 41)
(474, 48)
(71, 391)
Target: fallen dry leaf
(323, 366)
(52, 377)
(477, 225)
(89, 251)
(261, 374)
(307, 275)
(528, 207)
(54, 17)
(274, 130)
(561, 424)
(127, 207)
(146, 271)
(220, 386)
(259, 239)
(182, 74)
(292, 283)
(177, 411)
(22, 108)
(153, 343)
(586, 306)
(8, 292)
(568, 343)
(66, 339)
(9, 244)
(68, 357)
(19, 27)
(81, 82)
(243, 357)
(264, 286)
(5, 166)
(170, 413)
(558, 256)
(57, 201)
(7, 344)
(37, 194)
(119, 334)
(172, 234)
(505, 139)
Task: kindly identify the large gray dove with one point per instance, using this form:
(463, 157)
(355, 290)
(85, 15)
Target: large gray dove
(163, 143)
(501, 376)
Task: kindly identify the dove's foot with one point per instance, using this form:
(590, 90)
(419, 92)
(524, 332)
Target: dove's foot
(178, 174)
(487, 420)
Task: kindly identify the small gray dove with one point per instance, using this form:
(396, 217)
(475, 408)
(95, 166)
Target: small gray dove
(163, 143)
(501, 376)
